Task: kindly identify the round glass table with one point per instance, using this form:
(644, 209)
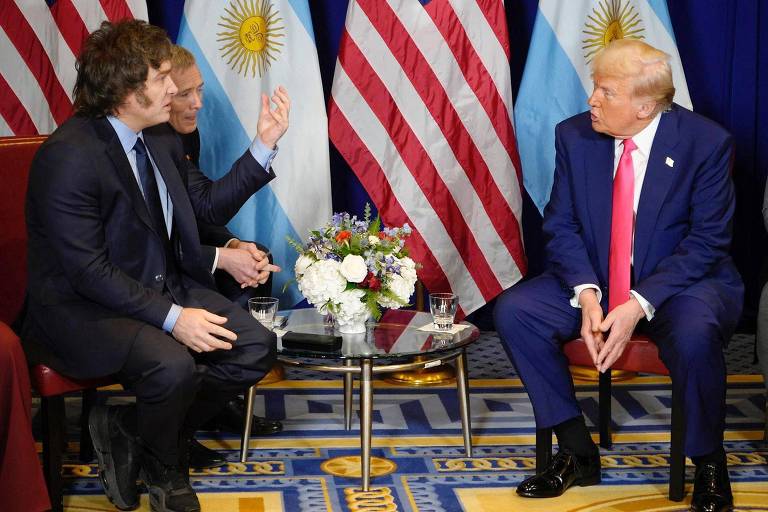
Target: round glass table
(393, 344)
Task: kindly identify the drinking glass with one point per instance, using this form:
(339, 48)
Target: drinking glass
(443, 309)
(264, 310)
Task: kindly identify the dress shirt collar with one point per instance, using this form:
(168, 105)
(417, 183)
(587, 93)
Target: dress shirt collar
(643, 140)
(126, 135)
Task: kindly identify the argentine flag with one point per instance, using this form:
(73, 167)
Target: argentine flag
(556, 81)
(244, 48)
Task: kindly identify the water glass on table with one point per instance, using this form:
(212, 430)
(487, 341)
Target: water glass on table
(264, 310)
(443, 309)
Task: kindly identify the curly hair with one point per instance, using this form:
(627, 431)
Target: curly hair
(114, 62)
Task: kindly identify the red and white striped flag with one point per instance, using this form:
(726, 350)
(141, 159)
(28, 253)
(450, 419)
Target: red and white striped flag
(39, 43)
(421, 109)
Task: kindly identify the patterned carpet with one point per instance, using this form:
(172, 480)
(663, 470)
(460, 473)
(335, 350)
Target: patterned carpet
(422, 467)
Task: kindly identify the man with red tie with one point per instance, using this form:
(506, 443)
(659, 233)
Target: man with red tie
(639, 228)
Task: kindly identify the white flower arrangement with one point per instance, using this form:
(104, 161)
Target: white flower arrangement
(352, 267)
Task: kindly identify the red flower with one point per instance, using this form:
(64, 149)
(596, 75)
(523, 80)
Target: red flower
(371, 282)
(343, 235)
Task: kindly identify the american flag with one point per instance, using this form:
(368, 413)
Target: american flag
(421, 109)
(39, 44)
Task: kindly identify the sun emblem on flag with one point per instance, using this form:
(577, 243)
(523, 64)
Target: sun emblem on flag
(611, 19)
(250, 42)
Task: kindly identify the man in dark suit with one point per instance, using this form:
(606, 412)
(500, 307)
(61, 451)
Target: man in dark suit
(238, 266)
(638, 226)
(117, 282)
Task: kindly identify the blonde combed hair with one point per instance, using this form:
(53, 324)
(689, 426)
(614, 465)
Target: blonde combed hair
(181, 58)
(647, 67)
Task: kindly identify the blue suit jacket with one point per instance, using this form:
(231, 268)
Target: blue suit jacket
(684, 218)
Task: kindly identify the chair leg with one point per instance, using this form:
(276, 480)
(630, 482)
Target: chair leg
(676, 452)
(543, 448)
(245, 438)
(604, 407)
(52, 411)
(86, 444)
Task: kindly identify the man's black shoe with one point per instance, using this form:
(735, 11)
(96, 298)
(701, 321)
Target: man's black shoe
(169, 490)
(565, 469)
(201, 457)
(116, 452)
(712, 489)
(232, 418)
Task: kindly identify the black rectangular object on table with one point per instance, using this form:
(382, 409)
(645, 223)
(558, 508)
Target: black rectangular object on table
(304, 341)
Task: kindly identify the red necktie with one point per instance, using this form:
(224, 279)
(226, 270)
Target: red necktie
(622, 220)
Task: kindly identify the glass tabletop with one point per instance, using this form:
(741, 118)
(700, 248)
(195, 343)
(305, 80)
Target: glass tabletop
(395, 336)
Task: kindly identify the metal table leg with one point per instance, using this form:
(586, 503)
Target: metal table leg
(462, 386)
(348, 385)
(366, 405)
(246, 437)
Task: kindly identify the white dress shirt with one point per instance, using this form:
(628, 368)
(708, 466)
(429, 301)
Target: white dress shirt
(643, 140)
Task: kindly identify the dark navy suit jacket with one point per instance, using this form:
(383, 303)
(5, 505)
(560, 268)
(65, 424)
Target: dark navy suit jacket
(684, 219)
(97, 267)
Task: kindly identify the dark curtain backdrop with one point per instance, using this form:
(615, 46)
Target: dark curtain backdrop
(724, 49)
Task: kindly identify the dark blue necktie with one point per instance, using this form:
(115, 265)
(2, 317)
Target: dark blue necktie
(149, 186)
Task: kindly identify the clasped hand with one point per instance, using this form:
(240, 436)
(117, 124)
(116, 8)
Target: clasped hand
(246, 263)
(619, 325)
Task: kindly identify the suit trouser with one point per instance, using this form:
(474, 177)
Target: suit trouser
(169, 379)
(762, 334)
(535, 317)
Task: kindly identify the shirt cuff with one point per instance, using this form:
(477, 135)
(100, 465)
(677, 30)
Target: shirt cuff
(262, 153)
(215, 259)
(648, 308)
(230, 241)
(580, 288)
(170, 319)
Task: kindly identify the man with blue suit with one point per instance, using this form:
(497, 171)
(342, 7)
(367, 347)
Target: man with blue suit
(118, 283)
(638, 227)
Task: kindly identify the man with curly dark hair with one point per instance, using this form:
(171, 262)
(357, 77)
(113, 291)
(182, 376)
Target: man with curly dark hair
(117, 280)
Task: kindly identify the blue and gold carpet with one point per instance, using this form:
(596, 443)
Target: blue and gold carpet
(417, 436)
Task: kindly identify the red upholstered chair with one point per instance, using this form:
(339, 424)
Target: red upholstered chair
(640, 355)
(16, 155)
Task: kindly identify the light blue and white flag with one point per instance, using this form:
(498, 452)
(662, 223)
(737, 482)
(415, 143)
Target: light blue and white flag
(556, 81)
(244, 48)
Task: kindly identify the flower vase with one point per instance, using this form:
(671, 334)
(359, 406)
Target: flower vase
(352, 324)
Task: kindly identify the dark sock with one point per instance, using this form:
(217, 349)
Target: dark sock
(574, 436)
(717, 456)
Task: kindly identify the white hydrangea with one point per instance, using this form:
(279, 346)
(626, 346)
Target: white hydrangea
(401, 287)
(321, 282)
(353, 268)
(408, 269)
(373, 240)
(350, 307)
(302, 264)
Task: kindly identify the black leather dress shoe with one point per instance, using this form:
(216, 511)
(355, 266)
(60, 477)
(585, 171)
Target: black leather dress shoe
(116, 452)
(712, 489)
(201, 457)
(565, 469)
(232, 418)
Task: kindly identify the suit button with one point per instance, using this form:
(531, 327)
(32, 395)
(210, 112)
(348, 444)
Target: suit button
(159, 278)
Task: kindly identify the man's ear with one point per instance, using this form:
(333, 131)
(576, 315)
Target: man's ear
(646, 109)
